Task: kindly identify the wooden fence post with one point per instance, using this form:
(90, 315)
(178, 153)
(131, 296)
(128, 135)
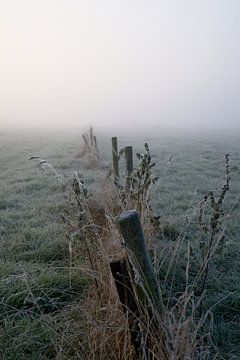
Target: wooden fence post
(137, 295)
(86, 142)
(131, 230)
(91, 136)
(95, 143)
(125, 291)
(129, 164)
(115, 159)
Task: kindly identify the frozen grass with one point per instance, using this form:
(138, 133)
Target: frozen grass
(42, 290)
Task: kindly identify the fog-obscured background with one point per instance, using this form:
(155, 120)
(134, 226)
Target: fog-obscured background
(114, 64)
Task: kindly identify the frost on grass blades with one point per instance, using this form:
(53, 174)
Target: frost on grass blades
(184, 328)
(59, 235)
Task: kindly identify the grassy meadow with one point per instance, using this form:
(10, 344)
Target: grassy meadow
(43, 291)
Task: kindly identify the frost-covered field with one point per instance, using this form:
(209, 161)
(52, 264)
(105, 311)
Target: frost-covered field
(37, 300)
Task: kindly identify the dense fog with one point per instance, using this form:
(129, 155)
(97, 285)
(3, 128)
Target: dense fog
(155, 65)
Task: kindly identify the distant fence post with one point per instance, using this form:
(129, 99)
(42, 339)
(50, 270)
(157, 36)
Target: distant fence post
(95, 143)
(90, 146)
(131, 230)
(129, 164)
(115, 159)
(86, 142)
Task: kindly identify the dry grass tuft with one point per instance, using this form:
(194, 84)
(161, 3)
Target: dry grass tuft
(181, 332)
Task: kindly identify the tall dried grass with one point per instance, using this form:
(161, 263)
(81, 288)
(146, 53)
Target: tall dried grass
(175, 335)
(183, 330)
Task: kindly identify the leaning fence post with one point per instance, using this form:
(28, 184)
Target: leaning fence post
(129, 164)
(95, 143)
(131, 230)
(115, 159)
(86, 142)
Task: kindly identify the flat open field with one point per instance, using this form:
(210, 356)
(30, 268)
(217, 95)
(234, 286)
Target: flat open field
(40, 290)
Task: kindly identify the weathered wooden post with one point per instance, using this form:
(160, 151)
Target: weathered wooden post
(91, 136)
(122, 278)
(95, 143)
(128, 151)
(90, 146)
(131, 230)
(141, 298)
(115, 159)
(86, 142)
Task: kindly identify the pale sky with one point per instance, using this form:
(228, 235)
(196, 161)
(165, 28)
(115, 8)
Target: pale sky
(109, 63)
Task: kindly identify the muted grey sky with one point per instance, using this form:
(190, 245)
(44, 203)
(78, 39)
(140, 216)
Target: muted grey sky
(109, 63)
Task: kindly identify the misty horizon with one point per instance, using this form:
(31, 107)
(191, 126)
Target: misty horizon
(144, 133)
(155, 66)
